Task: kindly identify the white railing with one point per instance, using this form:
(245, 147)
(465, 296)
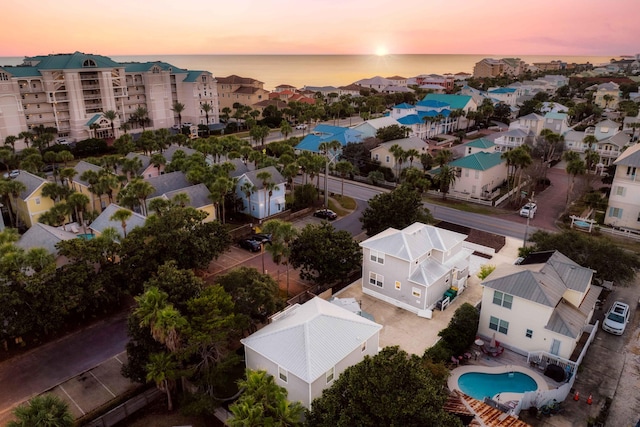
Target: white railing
(461, 196)
(631, 234)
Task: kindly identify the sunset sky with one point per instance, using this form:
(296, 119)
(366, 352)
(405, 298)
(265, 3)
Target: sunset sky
(148, 27)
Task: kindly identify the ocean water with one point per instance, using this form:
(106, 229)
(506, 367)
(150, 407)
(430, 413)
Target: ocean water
(327, 70)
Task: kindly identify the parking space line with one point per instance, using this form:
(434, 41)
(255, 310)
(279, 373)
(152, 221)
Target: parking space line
(71, 398)
(121, 362)
(101, 383)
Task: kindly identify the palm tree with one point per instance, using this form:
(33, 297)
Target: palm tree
(397, 153)
(27, 136)
(109, 183)
(141, 116)
(178, 108)
(91, 178)
(270, 187)
(607, 99)
(248, 189)
(206, 108)
(162, 369)
(282, 236)
(327, 148)
(78, 202)
(141, 190)
(11, 141)
(221, 187)
(46, 410)
(157, 160)
(65, 156)
(575, 166)
(122, 215)
(521, 160)
(285, 128)
(445, 178)
(66, 176)
(94, 127)
(11, 189)
(411, 154)
(264, 178)
(344, 168)
(111, 116)
(443, 157)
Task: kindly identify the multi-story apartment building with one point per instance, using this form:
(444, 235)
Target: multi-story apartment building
(488, 67)
(242, 90)
(72, 92)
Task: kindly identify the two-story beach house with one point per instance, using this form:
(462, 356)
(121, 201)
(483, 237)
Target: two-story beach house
(413, 268)
(261, 197)
(479, 175)
(306, 347)
(544, 304)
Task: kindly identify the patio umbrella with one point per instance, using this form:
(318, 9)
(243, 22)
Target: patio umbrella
(493, 341)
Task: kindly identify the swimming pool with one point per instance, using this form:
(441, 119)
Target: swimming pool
(480, 385)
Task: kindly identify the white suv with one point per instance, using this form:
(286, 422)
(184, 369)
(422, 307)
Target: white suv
(301, 126)
(529, 210)
(616, 319)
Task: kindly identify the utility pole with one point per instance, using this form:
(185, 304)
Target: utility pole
(526, 230)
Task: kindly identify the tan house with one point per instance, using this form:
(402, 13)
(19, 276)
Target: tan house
(30, 203)
(612, 93)
(97, 202)
(243, 90)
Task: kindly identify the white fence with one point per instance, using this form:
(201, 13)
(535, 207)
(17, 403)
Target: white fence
(460, 196)
(621, 233)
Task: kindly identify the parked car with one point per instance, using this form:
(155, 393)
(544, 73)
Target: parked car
(325, 214)
(301, 126)
(250, 244)
(49, 168)
(529, 210)
(616, 318)
(261, 237)
(12, 174)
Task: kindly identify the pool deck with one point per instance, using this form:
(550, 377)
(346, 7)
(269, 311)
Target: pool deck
(500, 397)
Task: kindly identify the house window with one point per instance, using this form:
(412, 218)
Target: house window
(376, 279)
(377, 257)
(364, 347)
(529, 333)
(620, 191)
(330, 375)
(631, 171)
(283, 374)
(499, 325)
(37, 200)
(398, 285)
(477, 174)
(500, 298)
(615, 212)
(388, 159)
(416, 292)
(376, 157)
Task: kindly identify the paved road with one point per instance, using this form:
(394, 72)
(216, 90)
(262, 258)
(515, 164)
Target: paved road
(44, 367)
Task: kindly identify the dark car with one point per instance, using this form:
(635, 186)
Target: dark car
(249, 244)
(261, 237)
(49, 168)
(325, 214)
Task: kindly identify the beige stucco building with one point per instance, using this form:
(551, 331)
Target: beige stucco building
(71, 93)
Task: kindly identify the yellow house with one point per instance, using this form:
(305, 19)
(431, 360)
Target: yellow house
(30, 203)
(198, 198)
(612, 92)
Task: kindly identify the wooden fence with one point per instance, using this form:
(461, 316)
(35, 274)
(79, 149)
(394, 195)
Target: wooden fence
(129, 407)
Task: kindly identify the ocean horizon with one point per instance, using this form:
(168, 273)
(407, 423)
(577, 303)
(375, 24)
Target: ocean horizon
(329, 70)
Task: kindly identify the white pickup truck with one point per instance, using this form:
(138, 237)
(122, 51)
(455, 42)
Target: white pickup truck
(529, 210)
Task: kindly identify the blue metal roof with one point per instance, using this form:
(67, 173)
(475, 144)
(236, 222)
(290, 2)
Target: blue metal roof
(433, 113)
(503, 90)
(404, 105)
(22, 71)
(411, 119)
(67, 61)
(344, 136)
(432, 103)
(457, 102)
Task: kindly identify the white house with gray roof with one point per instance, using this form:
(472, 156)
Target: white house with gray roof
(370, 127)
(413, 268)
(383, 154)
(258, 203)
(543, 304)
(199, 198)
(624, 200)
(306, 347)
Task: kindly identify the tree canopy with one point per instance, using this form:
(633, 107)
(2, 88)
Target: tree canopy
(324, 254)
(389, 389)
(398, 209)
(592, 252)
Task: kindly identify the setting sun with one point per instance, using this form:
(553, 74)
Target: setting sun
(381, 51)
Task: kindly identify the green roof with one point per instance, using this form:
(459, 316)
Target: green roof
(132, 67)
(479, 161)
(71, 61)
(481, 143)
(93, 119)
(21, 71)
(192, 76)
(457, 102)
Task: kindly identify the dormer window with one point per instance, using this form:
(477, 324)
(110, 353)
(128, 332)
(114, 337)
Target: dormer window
(89, 63)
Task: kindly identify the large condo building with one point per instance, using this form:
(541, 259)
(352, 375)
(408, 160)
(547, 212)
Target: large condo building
(72, 92)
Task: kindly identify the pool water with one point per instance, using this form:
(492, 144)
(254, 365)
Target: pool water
(480, 385)
(87, 236)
